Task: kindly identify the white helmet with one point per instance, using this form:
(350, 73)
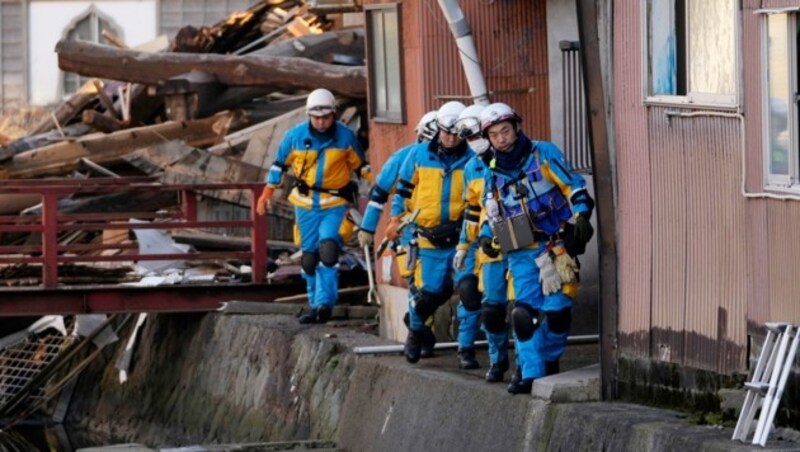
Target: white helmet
(497, 113)
(469, 122)
(447, 116)
(320, 103)
(426, 127)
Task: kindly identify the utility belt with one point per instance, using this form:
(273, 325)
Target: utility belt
(442, 236)
(349, 192)
(516, 233)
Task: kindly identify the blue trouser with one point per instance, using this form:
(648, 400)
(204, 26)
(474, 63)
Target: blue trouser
(545, 345)
(316, 226)
(469, 322)
(495, 293)
(434, 275)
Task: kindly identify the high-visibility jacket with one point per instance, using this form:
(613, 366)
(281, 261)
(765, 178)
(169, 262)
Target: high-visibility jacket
(554, 191)
(320, 162)
(384, 185)
(474, 213)
(433, 182)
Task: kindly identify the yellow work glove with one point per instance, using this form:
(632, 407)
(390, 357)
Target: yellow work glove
(264, 201)
(391, 229)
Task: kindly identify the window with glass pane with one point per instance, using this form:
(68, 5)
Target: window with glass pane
(782, 157)
(90, 28)
(691, 49)
(384, 63)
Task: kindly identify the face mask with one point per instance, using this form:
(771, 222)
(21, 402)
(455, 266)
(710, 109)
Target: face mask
(480, 145)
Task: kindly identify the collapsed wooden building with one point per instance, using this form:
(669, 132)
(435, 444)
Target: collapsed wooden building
(208, 106)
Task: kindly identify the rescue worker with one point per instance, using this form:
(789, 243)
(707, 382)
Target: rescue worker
(385, 183)
(469, 305)
(489, 273)
(431, 180)
(322, 154)
(530, 194)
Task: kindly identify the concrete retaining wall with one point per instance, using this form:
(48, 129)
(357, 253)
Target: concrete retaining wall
(204, 379)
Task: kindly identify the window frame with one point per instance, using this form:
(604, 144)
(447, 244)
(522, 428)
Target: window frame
(789, 182)
(95, 16)
(388, 116)
(690, 99)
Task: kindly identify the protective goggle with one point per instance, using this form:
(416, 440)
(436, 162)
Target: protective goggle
(468, 127)
(449, 126)
(320, 110)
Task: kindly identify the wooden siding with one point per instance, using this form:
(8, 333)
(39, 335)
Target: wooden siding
(13, 48)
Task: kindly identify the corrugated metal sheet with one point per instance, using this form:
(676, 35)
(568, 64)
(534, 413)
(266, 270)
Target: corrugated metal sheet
(432, 67)
(633, 178)
(13, 73)
(511, 39)
(715, 304)
(175, 14)
(758, 258)
(783, 250)
(669, 200)
(682, 265)
(698, 260)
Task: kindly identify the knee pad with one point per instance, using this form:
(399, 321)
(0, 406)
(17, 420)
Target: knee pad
(468, 293)
(308, 262)
(559, 321)
(525, 320)
(329, 253)
(428, 302)
(494, 317)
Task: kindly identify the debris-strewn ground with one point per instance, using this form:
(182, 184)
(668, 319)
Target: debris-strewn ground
(206, 106)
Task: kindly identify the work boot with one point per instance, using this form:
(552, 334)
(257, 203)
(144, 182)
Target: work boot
(323, 314)
(308, 317)
(413, 346)
(525, 386)
(517, 382)
(428, 342)
(466, 359)
(496, 372)
(550, 367)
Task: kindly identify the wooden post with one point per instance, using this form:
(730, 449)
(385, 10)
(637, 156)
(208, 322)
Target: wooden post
(604, 192)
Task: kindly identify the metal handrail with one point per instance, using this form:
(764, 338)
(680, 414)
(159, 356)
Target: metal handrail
(50, 222)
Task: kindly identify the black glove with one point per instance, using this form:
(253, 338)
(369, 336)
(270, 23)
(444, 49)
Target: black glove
(487, 246)
(583, 229)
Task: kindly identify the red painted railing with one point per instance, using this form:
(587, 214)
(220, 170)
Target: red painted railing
(51, 222)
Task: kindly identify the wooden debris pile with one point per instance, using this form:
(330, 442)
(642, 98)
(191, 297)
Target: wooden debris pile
(209, 106)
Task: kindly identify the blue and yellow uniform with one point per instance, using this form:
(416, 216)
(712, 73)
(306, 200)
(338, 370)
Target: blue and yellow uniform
(379, 195)
(432, 181)
(545, 186)
(322, 163)
(491, 272)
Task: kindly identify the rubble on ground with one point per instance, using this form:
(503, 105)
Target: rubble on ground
(209, 105)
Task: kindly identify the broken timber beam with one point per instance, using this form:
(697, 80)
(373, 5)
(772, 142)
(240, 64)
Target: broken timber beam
(101, 149)
(68, 110)
(250, 70)
(101, 122)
